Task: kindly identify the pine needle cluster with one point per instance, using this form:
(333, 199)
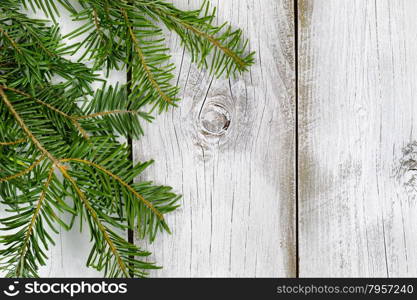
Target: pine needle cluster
(59, 148)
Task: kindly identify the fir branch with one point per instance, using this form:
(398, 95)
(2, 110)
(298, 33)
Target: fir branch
(101, 227)
(121, 181)
(26, 129)
(65, 127)
(74, 120)
(58, 163)
(117, 110)
(141, 56)
(211, 38)
(36, 100)
(29, 231)
(23, 172)
(12, 42)
(202, 38)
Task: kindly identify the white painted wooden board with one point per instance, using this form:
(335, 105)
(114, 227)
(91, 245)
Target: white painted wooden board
(229, 150)
(357, 96)
(237, 216)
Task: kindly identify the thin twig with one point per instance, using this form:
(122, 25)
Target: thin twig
(13, 42)
(32, 222)
(12, 143)
(212, 39)
(139, 51)
(96, 21)
(25, 171)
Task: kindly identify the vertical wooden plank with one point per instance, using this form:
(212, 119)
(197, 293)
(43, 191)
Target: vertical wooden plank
(229, 150)
(358, 71)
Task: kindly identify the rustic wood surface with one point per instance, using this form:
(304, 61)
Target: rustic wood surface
(357, 153)
(229, 150)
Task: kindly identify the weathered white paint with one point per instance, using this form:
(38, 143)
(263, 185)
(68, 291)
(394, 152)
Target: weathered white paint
(229, 150)
(358, 74)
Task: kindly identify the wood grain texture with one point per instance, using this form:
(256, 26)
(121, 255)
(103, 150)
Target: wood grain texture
(358, 72)
(229, 150)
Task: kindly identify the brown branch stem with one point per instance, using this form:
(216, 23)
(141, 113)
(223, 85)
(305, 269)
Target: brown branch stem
(25, 171)
(13, 42)
(12, 143)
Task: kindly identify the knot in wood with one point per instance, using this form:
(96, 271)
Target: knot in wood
(406, 172)
(215, 119)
